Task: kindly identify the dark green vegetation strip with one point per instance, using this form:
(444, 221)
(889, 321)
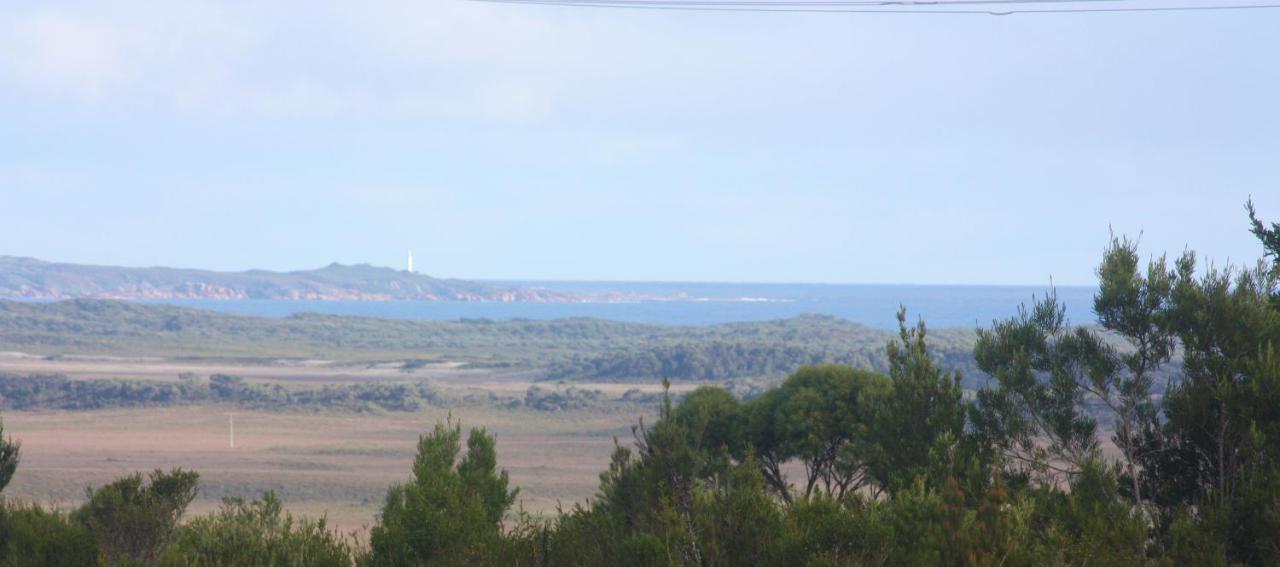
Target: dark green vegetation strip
(54, 391)
(565, 348)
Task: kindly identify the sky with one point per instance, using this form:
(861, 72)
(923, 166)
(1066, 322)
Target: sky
(541, 142)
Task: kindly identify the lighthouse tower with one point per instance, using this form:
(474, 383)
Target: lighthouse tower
(409, 267)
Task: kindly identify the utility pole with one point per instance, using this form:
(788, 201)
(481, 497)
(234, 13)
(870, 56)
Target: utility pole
(231, 430)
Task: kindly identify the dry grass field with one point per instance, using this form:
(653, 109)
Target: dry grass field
(334, 464)
(337, 464)
(331, 463)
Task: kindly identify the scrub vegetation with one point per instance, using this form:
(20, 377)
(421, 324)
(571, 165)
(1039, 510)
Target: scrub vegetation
(837, 465)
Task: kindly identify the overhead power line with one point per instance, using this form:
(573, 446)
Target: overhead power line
(886, 7)
(883, 4)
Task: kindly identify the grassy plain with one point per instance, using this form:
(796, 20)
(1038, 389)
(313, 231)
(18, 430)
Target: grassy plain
(332, 463)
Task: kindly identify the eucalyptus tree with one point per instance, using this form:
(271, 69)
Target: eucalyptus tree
(824, 417)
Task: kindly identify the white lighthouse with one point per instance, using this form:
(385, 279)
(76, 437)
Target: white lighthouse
(409, 266)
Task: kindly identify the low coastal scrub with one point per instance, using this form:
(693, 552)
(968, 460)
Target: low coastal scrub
(563, 349)
(55, 391)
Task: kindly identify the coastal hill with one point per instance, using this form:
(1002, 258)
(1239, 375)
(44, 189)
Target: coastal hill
(29, 278)
(562, 349)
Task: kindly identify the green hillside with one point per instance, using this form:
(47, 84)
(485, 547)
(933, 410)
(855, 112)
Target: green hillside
(565, 348)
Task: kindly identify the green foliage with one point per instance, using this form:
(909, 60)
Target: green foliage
(10, 454)
(923, 414)
(561, 399)
(736, 519)
(1202, 460)
(649, 507)
(54, 391)
(31, 535)
(715, 424)
(1090, 524)
(711, 360)
(822, 531)
(823, 416)
(1198, 482)
(665, 475)
(1269, 237)
(740, 350)
(1035, 417)
(1198, 537)
(451, 512)
(131, 521)
(1216, 449)
(257, 533)
(1132, 305)
(900, 468)
(568, 349)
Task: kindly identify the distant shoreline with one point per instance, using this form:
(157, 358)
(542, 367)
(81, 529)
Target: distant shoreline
(696, 304)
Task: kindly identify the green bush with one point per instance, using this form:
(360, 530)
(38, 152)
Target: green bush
(31, 535)
(257, 533)
(132, 522)
(451, 512)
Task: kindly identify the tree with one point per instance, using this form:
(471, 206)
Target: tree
(452, 510)
(737, 520)
(714, 422)
(1217, 445)
(1269, 237)
(1133, 306)
(131, 521)
(923, 412)
(1206, 456)
(662, 502)
(824, 417)
(668, 466)
(1035, 418)
(10, 454)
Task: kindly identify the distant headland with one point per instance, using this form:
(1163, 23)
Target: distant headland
(30, 278)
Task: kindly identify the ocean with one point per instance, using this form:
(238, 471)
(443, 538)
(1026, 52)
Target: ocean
(942, 306)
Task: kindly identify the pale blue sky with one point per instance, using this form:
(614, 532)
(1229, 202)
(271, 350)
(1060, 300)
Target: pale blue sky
(503, 141)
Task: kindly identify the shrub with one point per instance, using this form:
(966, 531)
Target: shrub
(257, 533)
(31, 535)
(131, 521)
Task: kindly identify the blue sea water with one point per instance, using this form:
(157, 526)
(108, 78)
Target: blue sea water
(942, 306)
